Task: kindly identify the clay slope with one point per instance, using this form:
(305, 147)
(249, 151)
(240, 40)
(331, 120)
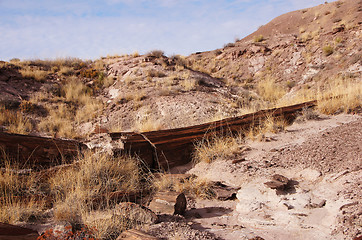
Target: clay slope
(299, 50)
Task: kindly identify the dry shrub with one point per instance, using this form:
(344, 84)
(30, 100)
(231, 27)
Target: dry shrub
(340, 95)
(270, 91)
(328, 50)
(14, 121)
(37, 74)
(63, 117)
(270, 124)
(155, 73)
(258, 38)
(95, 176)
(147, 123)
(188, 84)
(59, 122)
(66, 71)
(75, 91)
(13, 206)
(191, 185)
(156, 53)
(217, 147)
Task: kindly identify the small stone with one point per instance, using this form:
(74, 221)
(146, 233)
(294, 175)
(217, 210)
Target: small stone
(135, 212)
(168, 203)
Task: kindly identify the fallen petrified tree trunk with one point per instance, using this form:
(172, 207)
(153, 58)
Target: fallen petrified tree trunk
(38, 152)
(165, 149)
(9, 232)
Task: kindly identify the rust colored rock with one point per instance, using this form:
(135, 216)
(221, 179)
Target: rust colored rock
(136, 213)
(168, 203)
(38, 152)
(169, 148)
(257, 238)
(224, 192)
(9, 232)
(134, 234)
(278, 182)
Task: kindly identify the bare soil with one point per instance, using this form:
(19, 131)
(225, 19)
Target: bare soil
(322, 158)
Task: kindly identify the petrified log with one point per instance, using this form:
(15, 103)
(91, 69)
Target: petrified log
(134, 234)
(8, 232)
(38, 152)
(169, 148)
(168, 203)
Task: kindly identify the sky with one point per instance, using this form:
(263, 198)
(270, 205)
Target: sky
(89, 29)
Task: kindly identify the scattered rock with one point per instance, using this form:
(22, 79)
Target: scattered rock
(224, 192)
(168, 203)
(134, 234)
(316, 203)
(136, 213)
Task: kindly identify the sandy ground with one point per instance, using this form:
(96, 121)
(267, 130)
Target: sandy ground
(323, 160)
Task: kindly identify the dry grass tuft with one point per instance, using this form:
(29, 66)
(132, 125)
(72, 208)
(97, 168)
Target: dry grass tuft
(258, 38)
(147, 123)
(270, 124)
(96, 175)
(59, 122)
(13, 206)
(37, 74)
(14, 121)
(328, 50)
(188, 84)
(192, 185)
(340, 95)
(217, 147)
(270, 91)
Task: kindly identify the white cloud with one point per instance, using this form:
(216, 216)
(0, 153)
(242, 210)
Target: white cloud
(194, 25)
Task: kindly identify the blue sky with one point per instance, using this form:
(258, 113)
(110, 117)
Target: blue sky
(89, 29)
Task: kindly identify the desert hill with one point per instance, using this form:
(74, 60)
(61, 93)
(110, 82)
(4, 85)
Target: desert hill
(282, 176)
(294, 58)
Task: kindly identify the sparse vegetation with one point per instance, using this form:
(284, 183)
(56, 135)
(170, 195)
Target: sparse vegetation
(217, 147)
(192, 186)
(340, 95)
(156, 53)
(270, 91)
(259, 38)
(37, 74)
(328, 50)
(14, 121)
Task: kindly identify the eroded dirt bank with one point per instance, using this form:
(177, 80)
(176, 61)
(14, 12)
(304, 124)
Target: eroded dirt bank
(321, 158)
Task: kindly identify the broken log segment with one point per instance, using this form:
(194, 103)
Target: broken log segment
(165, 149)
(8, 232)
(38, 152)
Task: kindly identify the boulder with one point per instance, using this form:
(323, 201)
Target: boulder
(168, 203)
